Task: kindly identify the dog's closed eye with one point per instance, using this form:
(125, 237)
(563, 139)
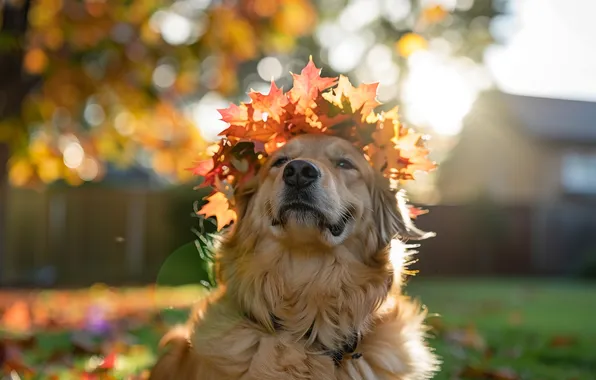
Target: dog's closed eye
(344, 163)
(280, 161)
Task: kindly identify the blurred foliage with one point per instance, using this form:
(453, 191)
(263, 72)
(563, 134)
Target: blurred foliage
(112, 84)
(115, 76)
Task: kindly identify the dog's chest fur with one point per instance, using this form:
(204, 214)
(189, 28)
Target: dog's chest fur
(322, 298)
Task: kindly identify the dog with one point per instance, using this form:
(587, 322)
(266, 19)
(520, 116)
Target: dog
(310, 279)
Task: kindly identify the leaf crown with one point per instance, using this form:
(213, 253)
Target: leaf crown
(314, 105)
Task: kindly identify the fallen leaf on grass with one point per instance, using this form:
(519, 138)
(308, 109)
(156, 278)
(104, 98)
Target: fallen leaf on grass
(17, 317)
(474, 372)
(468, 338)
(515, 318)
(562, 341)
(103, 334)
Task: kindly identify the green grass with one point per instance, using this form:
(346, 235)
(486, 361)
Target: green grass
(531, 329)
(485, 329)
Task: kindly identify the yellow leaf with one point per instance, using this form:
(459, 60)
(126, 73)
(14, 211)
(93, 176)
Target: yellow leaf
(218, 206)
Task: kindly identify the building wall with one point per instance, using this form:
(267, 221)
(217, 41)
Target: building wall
(496, 159)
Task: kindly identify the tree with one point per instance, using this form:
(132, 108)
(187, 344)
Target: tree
(12, 92)
(84, 83)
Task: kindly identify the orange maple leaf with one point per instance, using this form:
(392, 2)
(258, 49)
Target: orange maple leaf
(387, 132)
(257, 132)
(218, 206)
(270, 105)
(363, 97)
(307, 86)
(235, 132)
(234, 115)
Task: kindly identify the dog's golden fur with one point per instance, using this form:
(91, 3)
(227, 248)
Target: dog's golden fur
(321, 286)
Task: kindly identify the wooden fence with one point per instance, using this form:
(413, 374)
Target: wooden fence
(87, 235)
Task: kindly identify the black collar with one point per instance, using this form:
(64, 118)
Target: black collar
(348, 347)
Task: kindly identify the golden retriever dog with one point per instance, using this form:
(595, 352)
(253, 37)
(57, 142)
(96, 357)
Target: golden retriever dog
(310, 279)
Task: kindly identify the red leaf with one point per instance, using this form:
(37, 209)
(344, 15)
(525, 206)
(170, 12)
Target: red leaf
(416, 212)
(109, 361)
(202, 167)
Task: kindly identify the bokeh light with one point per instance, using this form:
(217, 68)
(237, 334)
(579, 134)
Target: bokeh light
(94, 114)
(164, 76)
(206, 117)
(89, 169)
(73, 155)
(270, 68)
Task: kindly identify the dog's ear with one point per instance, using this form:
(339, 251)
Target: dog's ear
(242, 196)
(392, 216)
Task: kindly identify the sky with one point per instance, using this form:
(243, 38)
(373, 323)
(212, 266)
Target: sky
(550, 49)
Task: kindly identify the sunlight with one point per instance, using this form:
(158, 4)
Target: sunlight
(549, 54)
(437, 94)
(207, 118)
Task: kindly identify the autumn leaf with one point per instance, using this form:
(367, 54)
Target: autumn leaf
(562, 341)
(480, 373)
(270, 105)
(17, 317)
(254, 131)
(109, 361)
(202, 167)
(218, 206)
(234, 114)
(386, 132)
(362, 98)
(468, 337)
(307, 86)
(415, 212)
(235, 132)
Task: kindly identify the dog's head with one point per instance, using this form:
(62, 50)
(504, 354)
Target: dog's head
(320, 191)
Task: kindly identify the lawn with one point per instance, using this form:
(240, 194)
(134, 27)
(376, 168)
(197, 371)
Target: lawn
(485, 329)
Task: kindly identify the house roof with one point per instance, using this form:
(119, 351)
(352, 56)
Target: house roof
(554, 119)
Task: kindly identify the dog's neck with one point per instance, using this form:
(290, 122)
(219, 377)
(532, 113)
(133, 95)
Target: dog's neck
(322, 297)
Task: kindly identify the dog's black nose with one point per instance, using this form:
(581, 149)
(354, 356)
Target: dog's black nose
(300, 173)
